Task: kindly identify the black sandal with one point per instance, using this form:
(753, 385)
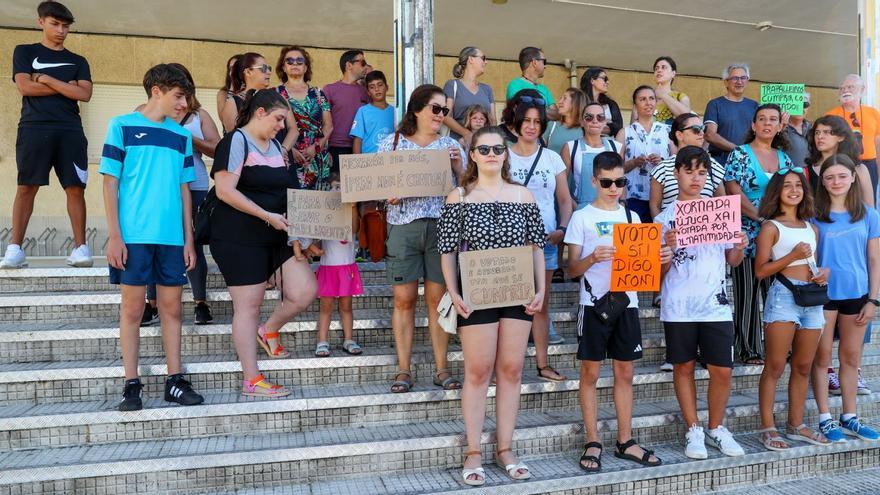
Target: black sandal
(645, 460)
(558, 276)
(591, 458)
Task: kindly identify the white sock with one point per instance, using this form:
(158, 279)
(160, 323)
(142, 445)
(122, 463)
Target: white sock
(824, 417)
(16, 246)
(846, 417)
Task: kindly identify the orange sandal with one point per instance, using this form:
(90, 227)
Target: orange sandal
(263, 338)
(259, 387)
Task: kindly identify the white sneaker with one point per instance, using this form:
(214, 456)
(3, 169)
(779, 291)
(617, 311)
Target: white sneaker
(862, 387)
(14, 257)
(722, 439)
(695, 444)
(80, 257)
(666, 366)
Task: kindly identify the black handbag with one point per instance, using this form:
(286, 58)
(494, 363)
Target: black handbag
(610, 306)
(806, 295)
(202, 227)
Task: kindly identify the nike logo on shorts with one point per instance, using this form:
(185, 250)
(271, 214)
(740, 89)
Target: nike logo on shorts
(140, 135)
(37, 65)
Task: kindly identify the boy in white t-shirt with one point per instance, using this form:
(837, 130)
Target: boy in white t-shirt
(590, 243)
(696, 313)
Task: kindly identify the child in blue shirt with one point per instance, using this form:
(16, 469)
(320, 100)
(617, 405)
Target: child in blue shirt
(147, 164)
(375, 120)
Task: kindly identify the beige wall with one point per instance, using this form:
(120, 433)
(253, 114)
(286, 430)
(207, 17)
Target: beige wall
(123, 60)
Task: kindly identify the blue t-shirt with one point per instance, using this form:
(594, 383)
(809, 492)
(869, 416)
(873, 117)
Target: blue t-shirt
(843, 249)
(371, 125)
(734, 119)
(151, 161)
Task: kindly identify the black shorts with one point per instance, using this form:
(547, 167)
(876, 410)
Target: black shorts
(243, 264)
(494, 315)
(847, 306)
(713, 340)
(621, 341)
(37, 151)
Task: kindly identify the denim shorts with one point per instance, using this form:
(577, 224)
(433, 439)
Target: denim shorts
(551, 262)
(780, 307)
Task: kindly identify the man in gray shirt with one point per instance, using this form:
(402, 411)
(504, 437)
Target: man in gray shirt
(797, 131)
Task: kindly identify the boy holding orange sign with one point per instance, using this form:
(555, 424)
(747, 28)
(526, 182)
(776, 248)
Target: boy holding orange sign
(696, 312)
(608, 321)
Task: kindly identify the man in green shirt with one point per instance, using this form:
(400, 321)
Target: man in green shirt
(532, 63)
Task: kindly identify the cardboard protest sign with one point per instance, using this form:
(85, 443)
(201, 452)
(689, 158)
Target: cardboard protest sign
(395, 174)
(318, 215)
(636, 263)
(708, 221)
(495, 278)
(789, 97)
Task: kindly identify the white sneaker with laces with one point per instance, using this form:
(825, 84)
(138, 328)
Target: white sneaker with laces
(80, 257)
(695, 443)
(666, 366)
(722, 439)
(862, 387)
(14, 257)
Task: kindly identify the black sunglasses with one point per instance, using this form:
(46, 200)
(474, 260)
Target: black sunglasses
(295, 60)
(620, 182)
(484, 149)
(604, 78)
(696, 129)
(436, 109)
(588, 117)
(532, 99)
(265, 68)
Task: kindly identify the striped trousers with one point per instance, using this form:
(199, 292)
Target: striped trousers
(748, 297)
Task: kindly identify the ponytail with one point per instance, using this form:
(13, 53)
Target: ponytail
(267, 99)
(463, 56)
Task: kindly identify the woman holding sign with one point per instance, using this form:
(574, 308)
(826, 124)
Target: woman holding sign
(412, 238)
(488, 212)
(249, 234)
(542, 171)
(749, 169)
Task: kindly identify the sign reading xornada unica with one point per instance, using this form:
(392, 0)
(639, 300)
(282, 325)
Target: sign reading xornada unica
(395, 174)
(318, 215)
(495, 278)
(708, 221)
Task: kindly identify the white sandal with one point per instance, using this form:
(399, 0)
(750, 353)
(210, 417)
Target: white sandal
(466, 473)
(513, 469)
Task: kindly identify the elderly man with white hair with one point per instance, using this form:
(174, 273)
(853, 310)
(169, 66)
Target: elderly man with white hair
(728, 118)
(864, 121)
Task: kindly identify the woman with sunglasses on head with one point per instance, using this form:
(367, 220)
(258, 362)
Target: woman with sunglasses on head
(231, 85)
(311, 110)
(542, 171)
(465, 90)
(863, 120)
(687, 130)
(829, 136)
(848, 246)
(578, 155)
(491, 211)
(748, 171)
(594, 84)
(646, 145)
(527, 95)
(412, 239)
(786, 250)
(670, 103)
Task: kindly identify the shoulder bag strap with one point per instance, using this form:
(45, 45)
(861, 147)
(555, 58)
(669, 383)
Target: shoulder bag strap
(462, 244)
(396, 139)
(534, 164)
(574, 150)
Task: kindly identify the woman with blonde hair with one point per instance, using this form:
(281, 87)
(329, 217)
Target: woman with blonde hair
(465, 90)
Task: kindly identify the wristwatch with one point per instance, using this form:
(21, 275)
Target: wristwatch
(874, 302)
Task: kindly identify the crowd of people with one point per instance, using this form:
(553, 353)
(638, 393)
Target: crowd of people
(550, 175)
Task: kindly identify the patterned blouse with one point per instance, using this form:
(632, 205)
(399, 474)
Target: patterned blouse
(743, 168)
(309, 115)
(489, 226)
(411, 209)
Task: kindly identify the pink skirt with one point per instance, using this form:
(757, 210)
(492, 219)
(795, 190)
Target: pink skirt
(339, 281)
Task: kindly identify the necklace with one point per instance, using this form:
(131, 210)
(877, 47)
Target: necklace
(494, 198)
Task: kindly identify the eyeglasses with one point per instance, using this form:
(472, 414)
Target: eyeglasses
(531, 99)
(824, 132)
(737, 79)
(783, 171)
(855, 121)
(604, 78)
(588, 117)
(481, 57)
(436, 109)
(696, 129)
(620, 182)
(295, 60)
(265, 68)
(497, 150)
(850, 87)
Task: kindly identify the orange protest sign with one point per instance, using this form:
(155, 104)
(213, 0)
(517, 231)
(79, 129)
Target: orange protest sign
(636, 263)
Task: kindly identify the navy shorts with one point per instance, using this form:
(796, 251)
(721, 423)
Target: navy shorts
(151, 264)
(38, 151)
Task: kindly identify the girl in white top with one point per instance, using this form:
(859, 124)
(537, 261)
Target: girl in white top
(338, 280)
(787, 249)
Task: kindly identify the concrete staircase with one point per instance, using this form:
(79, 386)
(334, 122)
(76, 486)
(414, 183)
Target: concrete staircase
(341, 431)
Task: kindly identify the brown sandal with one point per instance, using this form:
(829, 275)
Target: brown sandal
(549, 378)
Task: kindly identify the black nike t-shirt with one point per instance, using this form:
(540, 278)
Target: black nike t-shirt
(54, 111)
